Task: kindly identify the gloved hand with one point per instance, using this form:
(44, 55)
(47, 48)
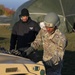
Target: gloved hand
(53, 61)
(49, 62)
(15, 52)
(29, 50)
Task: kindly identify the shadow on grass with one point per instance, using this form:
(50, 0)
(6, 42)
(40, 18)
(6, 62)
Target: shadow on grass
(69, 63)
(2, 38)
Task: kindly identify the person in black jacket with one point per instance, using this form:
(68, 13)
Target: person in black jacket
(23, 33)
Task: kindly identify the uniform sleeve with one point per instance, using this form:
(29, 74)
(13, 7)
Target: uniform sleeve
(13, 38)
(59, 50)
(61, 47)
(37, 42)
(14, 29)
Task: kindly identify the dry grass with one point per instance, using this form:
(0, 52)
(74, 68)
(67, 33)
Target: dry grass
(5, 36)
(71, 41)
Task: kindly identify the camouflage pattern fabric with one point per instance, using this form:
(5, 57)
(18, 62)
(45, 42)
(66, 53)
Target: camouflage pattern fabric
(53, 45)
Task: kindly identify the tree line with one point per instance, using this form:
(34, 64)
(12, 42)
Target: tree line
(6, 11)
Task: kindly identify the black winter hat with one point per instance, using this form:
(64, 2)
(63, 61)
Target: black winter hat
(24, 12)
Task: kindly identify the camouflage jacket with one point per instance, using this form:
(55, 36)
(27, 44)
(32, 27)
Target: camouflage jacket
(53, 45)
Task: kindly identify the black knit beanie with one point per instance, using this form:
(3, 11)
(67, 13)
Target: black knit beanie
(24, 12)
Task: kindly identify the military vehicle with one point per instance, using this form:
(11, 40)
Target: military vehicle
(16, 65)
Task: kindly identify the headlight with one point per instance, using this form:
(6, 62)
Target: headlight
(42, 72)
(36, 68)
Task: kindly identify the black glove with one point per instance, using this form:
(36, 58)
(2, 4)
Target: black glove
(29, 50)
(53, 61)
(15, 52)
(49, 62)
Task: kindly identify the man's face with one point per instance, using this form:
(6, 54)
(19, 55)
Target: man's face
(24, 18)
(50, 29)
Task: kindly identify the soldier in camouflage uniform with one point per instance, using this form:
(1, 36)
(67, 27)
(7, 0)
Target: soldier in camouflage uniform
(54, 43)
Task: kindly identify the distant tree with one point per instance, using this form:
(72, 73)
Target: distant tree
(1, 12)
(8, 12)
(1, 9)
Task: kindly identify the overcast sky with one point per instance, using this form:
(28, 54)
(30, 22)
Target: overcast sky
(12, 4)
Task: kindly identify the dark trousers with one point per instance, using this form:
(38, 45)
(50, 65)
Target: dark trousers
(52, 70)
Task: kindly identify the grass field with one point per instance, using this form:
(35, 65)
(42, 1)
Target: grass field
(4, 36)
(69, 58)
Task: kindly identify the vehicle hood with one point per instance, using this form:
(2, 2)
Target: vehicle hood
(8, 58)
